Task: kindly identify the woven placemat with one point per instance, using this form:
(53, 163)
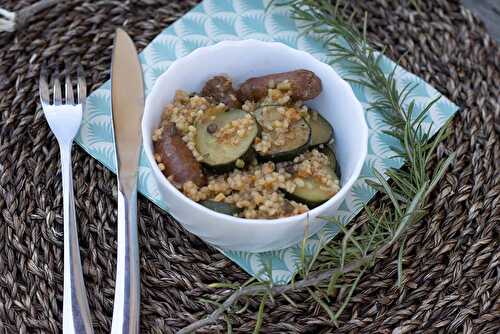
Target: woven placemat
(452, 281)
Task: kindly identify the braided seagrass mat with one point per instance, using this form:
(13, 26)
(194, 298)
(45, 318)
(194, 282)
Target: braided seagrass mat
(452, 281)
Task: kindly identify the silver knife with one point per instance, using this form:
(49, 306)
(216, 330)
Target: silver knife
(127, 103)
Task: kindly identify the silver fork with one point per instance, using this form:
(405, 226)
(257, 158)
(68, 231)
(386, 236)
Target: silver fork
(64, 120)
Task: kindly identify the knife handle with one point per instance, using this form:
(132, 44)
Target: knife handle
(127, 289)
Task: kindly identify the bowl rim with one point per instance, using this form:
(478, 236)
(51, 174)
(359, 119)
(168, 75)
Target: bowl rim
(292, 219)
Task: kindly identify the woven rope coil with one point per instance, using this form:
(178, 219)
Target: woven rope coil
(452, 281)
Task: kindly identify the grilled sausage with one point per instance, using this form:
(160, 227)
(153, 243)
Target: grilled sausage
(305, 85)
(179, 162)
(220, 89)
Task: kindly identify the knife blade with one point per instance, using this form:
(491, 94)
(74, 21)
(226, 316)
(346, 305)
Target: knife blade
(127, 104)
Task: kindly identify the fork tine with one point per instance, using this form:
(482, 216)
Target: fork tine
(57, 87)
(43, 86)
(69, 98)
(82, 85)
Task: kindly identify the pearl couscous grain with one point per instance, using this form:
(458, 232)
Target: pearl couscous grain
(234, 130)
(256, 191)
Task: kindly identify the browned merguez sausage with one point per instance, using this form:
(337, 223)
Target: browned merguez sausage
(305, 85)
(220, 89)
(178, 159)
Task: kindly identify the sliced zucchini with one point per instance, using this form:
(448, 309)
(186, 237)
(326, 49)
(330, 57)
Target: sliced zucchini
(221, 207)
(297, 138)
(311, 193)
(328, 150)
(219, 155)
(321, 130)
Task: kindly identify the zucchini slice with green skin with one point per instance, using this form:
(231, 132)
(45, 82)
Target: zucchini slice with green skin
(297, 138)
(221, 207)
(311, 193)
(321, 130)
(224, 156)
(328, 150)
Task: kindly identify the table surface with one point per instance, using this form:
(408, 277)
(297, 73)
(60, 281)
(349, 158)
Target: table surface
(489, 12)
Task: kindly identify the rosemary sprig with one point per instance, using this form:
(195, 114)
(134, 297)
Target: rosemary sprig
(347, 257)
(412, 184)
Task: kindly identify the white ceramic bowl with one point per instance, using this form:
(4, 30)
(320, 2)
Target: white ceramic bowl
(242, 60)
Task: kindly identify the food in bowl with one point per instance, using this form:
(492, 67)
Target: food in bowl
(253, 152)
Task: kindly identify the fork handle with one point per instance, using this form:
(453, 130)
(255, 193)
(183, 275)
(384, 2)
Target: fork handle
(126, 308)
(76, 314)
